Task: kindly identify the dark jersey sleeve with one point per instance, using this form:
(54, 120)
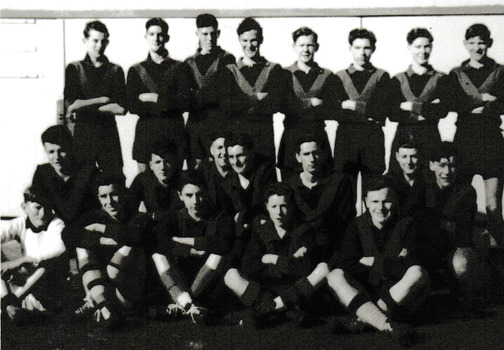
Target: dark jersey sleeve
(135, 87)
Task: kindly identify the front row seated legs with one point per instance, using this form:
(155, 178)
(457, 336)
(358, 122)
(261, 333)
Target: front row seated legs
(407, 294)
(250, 293)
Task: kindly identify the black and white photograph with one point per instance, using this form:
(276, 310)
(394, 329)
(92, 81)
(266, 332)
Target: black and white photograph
(252, 175)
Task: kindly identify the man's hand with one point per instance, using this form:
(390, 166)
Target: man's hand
(269, 259)
(197, 252)
(96, 228)
(316, 101)
(436, 101)
(148, 97)
(478, 110)
(348, 104)
(407, 106)
(367, 260)
(261, 95)
(107, 241)
(487, 97)
(300, 252)
(404, 252)
(184, 240)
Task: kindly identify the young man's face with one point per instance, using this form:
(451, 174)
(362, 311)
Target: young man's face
(250, 43)
(476, 47)
(305, 48)
(239, 158)
(407, 159)
(362, 51)
(218, 152)
(156, 39)
(445, 170)
(420, 50)
(379, 204)
(111, 200)
(161, 168)
(279, 210)
(308, 156)
(96, 43)
(38, 214)
(207, 37)
(56, 156)
(194, 200)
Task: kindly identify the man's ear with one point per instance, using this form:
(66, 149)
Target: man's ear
(218, 33)
(298, 158)
(180, 195)
(431, 165)
(317, 46)
(397, 156)
(490, 42)
(23, 206)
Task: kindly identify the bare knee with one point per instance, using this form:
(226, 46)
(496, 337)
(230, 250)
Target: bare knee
(460, 261)
(336, 279)
(112, 272)
(231, 278)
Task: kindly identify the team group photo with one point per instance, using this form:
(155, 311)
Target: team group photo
(256, 204)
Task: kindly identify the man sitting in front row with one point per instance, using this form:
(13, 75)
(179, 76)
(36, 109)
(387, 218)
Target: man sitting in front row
(376, 272)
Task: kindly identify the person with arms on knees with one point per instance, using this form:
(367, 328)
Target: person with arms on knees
(33, 283)
(419, 108)
(203, 70)
(243, 188)
(445, 245)
(277, 276)
(475, 90)
(408, 175)
(143, 86)
(324, 200)
(252, 90)
(156, 187)
(111, 255)
(94, 94)
(376, 277)
(189, 248)
(310, 99)
(365, 96)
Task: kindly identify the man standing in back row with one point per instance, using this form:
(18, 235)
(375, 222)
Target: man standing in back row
(94, 94)
(252, 90)
(365, 98)
(202, 71)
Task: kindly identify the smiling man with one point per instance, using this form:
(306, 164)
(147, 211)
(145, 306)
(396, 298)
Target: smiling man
(310, 100)
(419, 109)
(144, 83)
(252, 90)
(475, 90)
(203, 70)
(365, 97)
(94, 94)
(111, 254)
(376, 268)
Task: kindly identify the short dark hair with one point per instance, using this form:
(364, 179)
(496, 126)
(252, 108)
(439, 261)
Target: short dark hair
(362, 34)
(480, 30)
(378, 183)
(207, 20)
(443, 150)
(249, 24)
(157, 21)
(304, 31)
(107, 179)
(305, 138)
(279, 189)
(164, 148)
(58, 135)
(240, 139)
(192, 177)
(416, 33)
(404, 139)
(34, 194)
(98, 26)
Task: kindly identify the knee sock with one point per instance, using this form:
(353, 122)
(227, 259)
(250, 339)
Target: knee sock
(368, 312)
